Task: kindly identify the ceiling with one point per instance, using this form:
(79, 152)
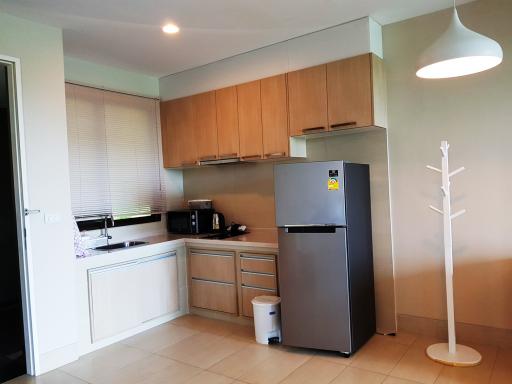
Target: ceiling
(127, 33)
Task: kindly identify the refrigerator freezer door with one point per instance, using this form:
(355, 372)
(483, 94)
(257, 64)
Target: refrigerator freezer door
(313, 285)
(310, 193)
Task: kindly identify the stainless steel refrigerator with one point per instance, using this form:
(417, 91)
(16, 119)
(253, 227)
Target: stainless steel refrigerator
(325, 262)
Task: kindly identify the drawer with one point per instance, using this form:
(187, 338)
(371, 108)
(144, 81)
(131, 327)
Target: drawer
(262, 265)
(259, 280)
(213, 295)
(249, 293)
(216, 266)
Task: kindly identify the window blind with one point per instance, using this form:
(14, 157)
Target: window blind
(114, 153)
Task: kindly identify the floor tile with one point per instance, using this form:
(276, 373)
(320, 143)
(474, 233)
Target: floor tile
(160, 337)
(204, 324)
(314, 371)
(415, 364)
(351, 375)
(404, 338)
(334, 357)
(54, 377)
(209, 378)
(274, 369)
(479, 374)
(395, 380)
(92, 366)
(202, 349)
(175, 373)
(239, 363)
(381, 354)
(133, 373)
(502, 373)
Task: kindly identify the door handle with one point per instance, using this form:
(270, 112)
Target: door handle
(343, 125)
(32, 211)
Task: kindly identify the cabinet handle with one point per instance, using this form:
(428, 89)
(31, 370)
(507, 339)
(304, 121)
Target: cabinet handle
(212, 281)
(228, 156)
(259, 288)
(248, 157)
(343, 125)
(210, 157)
(312, 130)
(257, 273)
(275, 154)
(190, 163)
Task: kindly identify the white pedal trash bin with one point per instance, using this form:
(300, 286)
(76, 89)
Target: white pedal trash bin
(267, 320)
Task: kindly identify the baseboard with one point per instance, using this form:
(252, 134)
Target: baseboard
(466, 333)
(221, 316)
(57, 358)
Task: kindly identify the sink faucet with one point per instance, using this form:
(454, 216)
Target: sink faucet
(106, 235)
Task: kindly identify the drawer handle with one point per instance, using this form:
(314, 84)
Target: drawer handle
(248, 157)
(275, 155)
(211, 254)
(259, 288)
(228, 156)
(312, 130)
(188, 164)
(212, 281)
(257, 273)
(206, 158)
(343, 125)
(257, 257)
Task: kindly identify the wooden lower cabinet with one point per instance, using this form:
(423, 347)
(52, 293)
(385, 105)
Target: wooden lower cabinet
(249, 293)
(213, 265)
(261, 280)
(214, 295)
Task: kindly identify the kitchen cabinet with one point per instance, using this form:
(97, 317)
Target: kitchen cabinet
(227, 123)
(213, 280)
(355, 94)
(274, 117)
(249, 120)
(125, 295)
(307, 100)
(257, 277)
(205, 126)
(178, 139)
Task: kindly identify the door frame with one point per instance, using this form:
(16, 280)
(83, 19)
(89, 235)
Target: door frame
(13, 65)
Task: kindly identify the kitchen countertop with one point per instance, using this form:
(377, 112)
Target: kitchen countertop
(262, 238)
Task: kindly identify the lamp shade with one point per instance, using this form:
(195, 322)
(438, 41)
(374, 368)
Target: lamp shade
(458, 52)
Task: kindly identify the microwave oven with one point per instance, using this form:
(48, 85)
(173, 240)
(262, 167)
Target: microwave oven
(190, 221)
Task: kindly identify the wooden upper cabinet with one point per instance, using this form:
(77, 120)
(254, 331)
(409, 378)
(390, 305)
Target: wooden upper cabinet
(227, 122)
(249, 120)
(178, 133)
(307, 98)
(355, 92)
(205, 122)
(274, 116)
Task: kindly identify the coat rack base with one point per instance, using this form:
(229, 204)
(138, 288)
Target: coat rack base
(463, 357)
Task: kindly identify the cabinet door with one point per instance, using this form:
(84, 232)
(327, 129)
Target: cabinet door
(227, 122)
(213, 295)
(307, 100)
(158, 284)
(205, 116)
(249, 120)
(212, 265)
(349, 90)
(179, 133)
(170, 150)
(113, 299)
(274, 116)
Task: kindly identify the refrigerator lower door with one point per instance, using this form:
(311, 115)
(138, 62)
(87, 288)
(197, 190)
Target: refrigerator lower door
(313, 285)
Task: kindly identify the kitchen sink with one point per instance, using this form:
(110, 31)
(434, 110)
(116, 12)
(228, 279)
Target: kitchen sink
(124, 244)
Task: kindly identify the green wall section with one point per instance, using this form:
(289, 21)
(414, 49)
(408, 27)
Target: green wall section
(116, 79)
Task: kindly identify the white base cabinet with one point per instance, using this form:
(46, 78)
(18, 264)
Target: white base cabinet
(125, 295)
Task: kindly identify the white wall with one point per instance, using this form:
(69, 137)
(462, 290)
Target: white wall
(474, 114)
(111, 78)
(42, 70)
(347, 40)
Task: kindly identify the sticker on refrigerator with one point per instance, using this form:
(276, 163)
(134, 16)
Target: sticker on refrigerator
(333, 184)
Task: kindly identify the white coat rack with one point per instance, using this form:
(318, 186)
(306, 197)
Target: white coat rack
(450, 353)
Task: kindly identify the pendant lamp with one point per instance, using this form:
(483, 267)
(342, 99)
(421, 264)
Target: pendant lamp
(459, 51)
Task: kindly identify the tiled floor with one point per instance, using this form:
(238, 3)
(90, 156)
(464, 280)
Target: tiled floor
(196, 350)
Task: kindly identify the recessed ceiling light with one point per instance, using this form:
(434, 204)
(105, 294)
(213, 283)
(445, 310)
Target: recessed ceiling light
(170, 28)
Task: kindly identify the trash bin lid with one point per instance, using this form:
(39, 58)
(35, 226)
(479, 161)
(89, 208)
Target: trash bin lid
(266, 300)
